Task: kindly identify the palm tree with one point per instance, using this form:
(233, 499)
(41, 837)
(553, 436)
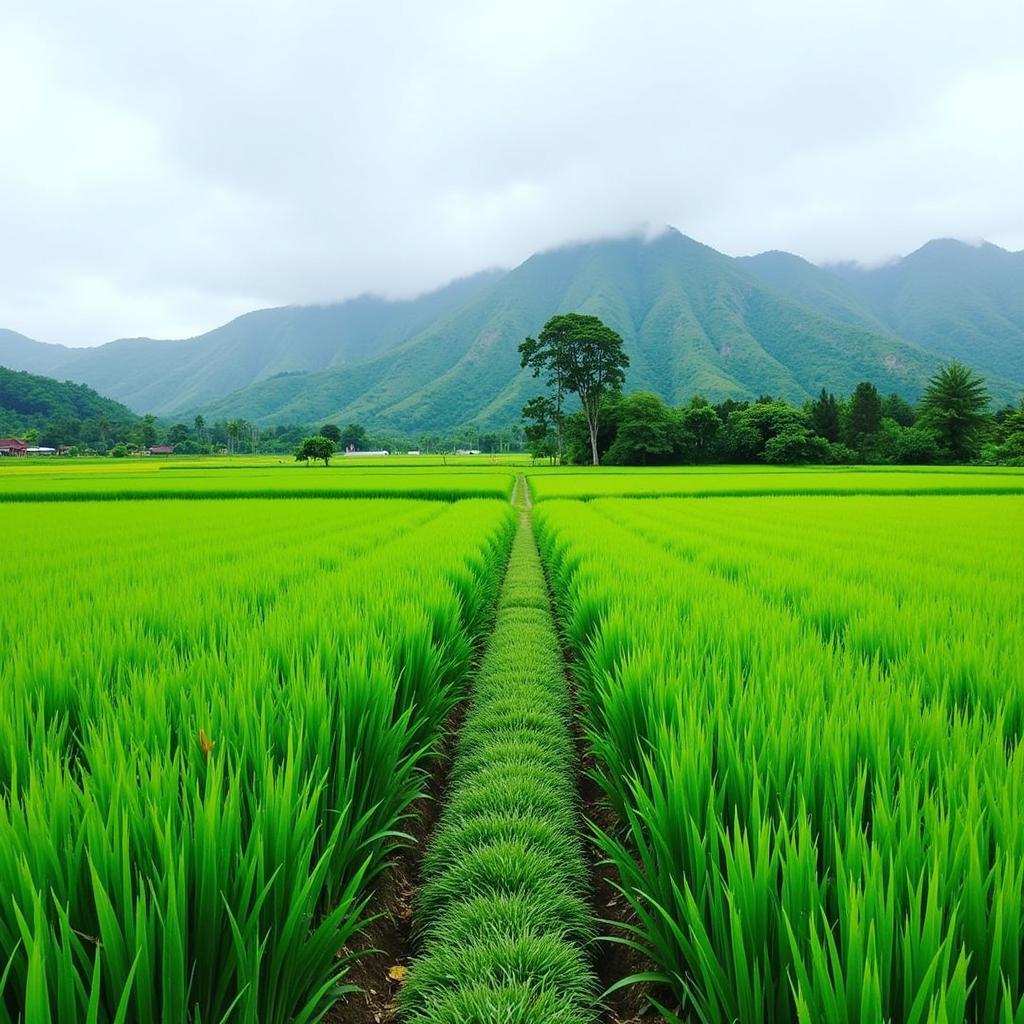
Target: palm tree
(235, 429)
(954, 406)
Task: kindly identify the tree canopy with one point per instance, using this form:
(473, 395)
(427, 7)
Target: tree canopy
(954, 405)
(316, 448)
(580, 355)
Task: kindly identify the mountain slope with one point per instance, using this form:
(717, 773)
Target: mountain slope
(23, 353)
(818, 288)
(693, 320)
(957, 300)
(166, 377)
(30, 400)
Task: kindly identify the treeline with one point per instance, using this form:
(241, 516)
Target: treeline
(41, 410)
(951, 423)
(127, 434)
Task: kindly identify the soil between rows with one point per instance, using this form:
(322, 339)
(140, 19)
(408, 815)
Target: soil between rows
(390, 935)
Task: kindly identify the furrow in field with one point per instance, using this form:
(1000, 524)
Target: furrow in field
(503, 913)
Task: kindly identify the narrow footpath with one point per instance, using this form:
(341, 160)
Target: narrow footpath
(504, 916)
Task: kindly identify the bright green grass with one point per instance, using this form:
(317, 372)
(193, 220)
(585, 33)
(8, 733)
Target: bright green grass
(318, 645)
(503, 910)
(583, 482)
(26, 479)
(808, 715)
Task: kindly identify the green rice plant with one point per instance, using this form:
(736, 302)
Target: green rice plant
(64, 480)
(806, 713)
(587, 483)
(502, 914)
(213, 746)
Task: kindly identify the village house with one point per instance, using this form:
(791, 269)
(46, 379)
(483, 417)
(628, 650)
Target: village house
(160, 449)
(12, 446)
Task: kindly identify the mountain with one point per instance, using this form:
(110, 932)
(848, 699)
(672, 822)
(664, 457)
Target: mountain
(693, 321)
(25, 354)
(166, 377)
(958, 300)
(28, 400)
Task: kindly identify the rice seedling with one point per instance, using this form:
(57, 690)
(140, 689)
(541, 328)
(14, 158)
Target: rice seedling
(503, 912)
(586, 483)
(71, 480)
(807, 714)
(214, 718)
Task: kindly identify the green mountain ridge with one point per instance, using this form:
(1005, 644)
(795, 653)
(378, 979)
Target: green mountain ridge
(29, 400)
(168, 377)
(693, 320)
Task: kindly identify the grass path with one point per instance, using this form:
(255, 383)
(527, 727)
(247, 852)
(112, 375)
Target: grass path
(503, 913)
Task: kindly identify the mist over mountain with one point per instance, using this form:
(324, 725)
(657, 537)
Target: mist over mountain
(693, 321)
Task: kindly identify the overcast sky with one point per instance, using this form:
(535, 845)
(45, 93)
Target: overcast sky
(165, 166)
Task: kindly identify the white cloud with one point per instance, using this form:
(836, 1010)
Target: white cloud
(167, 165)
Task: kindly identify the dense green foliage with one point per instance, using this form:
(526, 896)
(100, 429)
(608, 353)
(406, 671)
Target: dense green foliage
(809, 727)
(60, 413)
(954, 405)
(213, 725)
(503, 910)
(581, 356)
(951, 424)
(316, 448)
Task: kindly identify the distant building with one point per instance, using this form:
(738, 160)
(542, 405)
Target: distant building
(160, 449)
(12, 446)
(349, 454)
(36, 449)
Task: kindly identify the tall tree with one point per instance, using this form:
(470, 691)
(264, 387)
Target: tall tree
(147, 430)
(954, 406)
(582, 356)
(331, 431)
(865, 413)
(825, 416)
(354, 434)
(542, 428)
(899, 410)
(235, 430)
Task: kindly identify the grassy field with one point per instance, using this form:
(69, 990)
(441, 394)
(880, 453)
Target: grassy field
(800, 697)
(807, 714)
(214, 716)
(263, 477)
(584, 482)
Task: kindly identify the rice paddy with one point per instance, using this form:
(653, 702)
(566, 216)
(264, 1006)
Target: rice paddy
(807, 715)
(584, 484)
(800, 699)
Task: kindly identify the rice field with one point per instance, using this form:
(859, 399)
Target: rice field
(780, 710)
(214, 718)
(807, 715)
(270, 477)
(584, 483)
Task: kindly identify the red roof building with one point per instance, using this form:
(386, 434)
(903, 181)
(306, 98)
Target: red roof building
(12, 446)
(161, 449)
